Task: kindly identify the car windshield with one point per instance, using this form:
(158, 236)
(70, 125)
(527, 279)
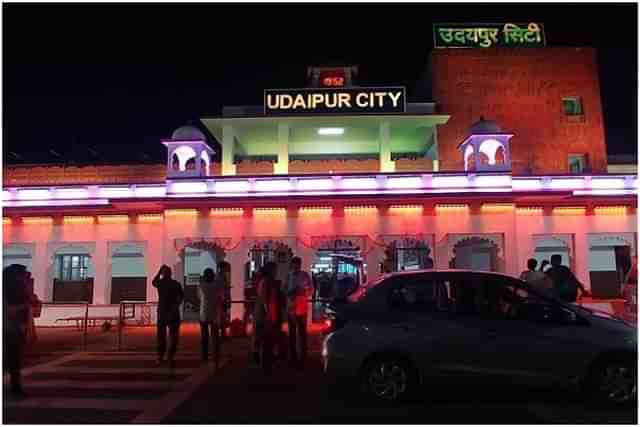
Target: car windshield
(362, 290)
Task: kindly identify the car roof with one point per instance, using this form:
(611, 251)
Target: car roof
(449, 270)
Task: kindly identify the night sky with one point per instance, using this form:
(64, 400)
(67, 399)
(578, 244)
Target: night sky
(104, 83)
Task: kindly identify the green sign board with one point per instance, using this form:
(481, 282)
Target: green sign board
(488, 35)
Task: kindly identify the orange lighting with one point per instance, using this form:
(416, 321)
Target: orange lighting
(497, 207)
(113, 219)
(226, 211)
(180, 212)
(37, 220)
(406, 209)
(270, 211)
(78, 220)
(452, 208)
(6, 221)
(315, 209)
(570, 210)
(146, 218)
(361, 209)
(529, 210)
(611, 210)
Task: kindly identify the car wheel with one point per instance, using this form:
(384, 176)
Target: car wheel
(388, 379)
(615, 381)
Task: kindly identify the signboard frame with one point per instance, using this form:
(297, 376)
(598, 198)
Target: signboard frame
(498, 42)
(352, 111)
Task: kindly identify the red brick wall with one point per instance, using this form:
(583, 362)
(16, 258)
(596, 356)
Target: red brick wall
(17, 175)
(522, 89)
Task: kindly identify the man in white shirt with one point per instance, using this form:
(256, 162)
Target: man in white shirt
(538, 279)
(299, 289)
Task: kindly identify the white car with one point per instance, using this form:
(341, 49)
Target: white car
(414, 328)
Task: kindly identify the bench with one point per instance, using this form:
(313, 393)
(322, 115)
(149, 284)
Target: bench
(91, 320)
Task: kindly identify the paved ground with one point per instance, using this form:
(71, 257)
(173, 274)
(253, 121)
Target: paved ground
(100, 385)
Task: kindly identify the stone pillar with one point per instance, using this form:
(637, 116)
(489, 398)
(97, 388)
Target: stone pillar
(40, 263)
(386, 164)
(228, 150)
(434, 150)
(100, 257)
(282, 166)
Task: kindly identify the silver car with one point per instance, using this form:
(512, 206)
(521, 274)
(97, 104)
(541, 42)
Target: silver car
(414, 328)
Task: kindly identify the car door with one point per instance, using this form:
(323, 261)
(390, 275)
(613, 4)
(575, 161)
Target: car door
(421, 324)
(526, 336)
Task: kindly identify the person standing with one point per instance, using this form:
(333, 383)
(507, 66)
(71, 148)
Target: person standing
(535, 278)
(565, 283)
(16, 323)
(170, 296)
(299, 290)
(211, 296)
(270, 297)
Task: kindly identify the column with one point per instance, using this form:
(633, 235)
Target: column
(40, 263)
(386, 164)
(100, 257)
(581, 261)
(434, 150)
(282, 166)
(228, 150)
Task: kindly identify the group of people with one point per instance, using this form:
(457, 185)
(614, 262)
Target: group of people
(214, 295)
(553, 278)
(19, 331)
(274, 302)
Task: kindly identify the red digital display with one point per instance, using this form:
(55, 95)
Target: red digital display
(333, 78)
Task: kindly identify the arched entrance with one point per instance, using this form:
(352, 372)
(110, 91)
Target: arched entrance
(405, 253)
(610, 257)
(194, 256)
(547, 245)
(263, 250)
(73, 274)
(476, 252)
(338, 267)
(128, 272)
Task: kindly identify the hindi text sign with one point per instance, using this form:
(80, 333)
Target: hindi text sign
(488, 35)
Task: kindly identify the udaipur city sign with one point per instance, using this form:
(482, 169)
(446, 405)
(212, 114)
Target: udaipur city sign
(360, 100)
(488, 35)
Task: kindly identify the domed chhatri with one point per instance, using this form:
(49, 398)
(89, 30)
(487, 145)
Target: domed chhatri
(483, 126)
(188, 154)
(188, 133)
(486, 148)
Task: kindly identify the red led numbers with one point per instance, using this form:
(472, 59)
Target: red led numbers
(333, 81)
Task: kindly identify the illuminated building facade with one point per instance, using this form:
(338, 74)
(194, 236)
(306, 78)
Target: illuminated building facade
(508, 163)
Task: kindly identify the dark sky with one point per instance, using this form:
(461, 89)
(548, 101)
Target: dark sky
(104, 83)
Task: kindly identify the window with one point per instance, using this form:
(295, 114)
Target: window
(73, 267)
(577, 163)
(572, 106)
(413, 294)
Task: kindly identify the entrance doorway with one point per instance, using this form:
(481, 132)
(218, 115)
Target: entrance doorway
(195, 258)
(337, 271)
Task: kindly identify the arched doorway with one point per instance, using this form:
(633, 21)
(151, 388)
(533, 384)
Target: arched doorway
(610, 257)
(554, 244)
(476, 252)
(261, 251)
(73, 274)
(193, 258)
(338, 267)
(128, 272)
(405, 253)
